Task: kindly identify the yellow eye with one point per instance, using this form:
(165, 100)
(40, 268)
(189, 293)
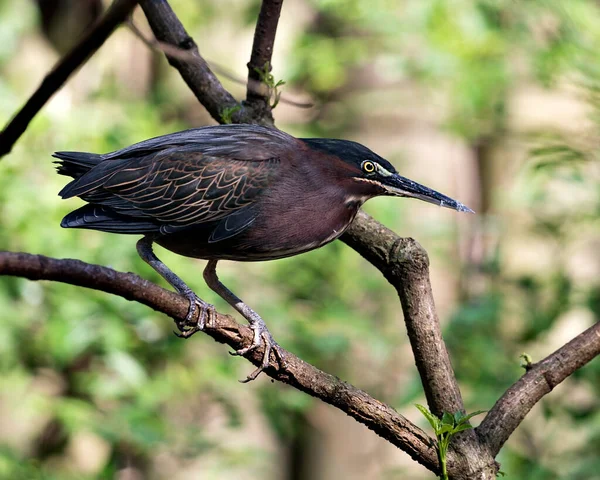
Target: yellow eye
(368, 167)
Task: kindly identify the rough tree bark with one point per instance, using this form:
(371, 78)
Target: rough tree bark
(402, 261)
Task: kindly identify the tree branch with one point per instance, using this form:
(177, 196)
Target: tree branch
(377, 416)
(508, 412)
(55, 79)
(186, 55)
(258, 94)
(197, 74)
(405, 265)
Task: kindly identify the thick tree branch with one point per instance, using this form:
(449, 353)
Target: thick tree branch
(377, 416)
(405, 264)
(114, 16)
(259, 93)
(519, 399)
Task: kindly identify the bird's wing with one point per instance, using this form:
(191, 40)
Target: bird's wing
(178, 188)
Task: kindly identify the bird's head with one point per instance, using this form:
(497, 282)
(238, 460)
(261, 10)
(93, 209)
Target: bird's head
(372, 175)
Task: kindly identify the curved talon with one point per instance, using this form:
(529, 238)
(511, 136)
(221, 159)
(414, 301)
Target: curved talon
(187, 333)
(205, 316)
(193, 298)
(259, 329)
(261, 335)
(243, 351)
(270, 345)
(280, 356)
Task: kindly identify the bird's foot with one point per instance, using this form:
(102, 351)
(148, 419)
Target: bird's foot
(261, 336)
(187, 327)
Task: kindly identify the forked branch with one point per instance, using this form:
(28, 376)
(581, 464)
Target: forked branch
(196, 73)
(405, 264)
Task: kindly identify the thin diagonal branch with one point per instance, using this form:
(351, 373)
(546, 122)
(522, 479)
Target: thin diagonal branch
(259, 93)
(114, 16)
(377, 416)
(197, 74)
(186, 55)
(508, 412)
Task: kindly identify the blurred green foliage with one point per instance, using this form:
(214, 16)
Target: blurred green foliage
(77, 363)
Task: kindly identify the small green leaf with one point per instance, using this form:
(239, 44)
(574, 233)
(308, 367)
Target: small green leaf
(228, 112)
(461, 427)
(458, 416)
(527, 361)
(268, 79)
(445, 428)
(448, 419)
(466, 418)
(433, 420)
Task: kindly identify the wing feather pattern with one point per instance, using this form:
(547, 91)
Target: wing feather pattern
(170, 190)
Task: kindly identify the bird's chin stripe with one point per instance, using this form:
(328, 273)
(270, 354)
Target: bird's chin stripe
(367, 180)
(381, 189)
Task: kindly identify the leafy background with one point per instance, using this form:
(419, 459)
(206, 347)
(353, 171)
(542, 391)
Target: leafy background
(494, 102)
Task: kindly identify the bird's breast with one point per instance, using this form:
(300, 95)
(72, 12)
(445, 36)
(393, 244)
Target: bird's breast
(285, 229)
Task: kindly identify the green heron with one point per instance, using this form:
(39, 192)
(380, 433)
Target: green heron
(230, 192)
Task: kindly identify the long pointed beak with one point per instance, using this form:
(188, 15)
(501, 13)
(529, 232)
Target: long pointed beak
(399, 186)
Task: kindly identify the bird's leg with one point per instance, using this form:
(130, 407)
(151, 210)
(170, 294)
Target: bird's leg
(257, 324)
(144, 248)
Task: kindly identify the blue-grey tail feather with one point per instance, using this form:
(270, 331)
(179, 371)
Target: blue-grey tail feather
(98, 217)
